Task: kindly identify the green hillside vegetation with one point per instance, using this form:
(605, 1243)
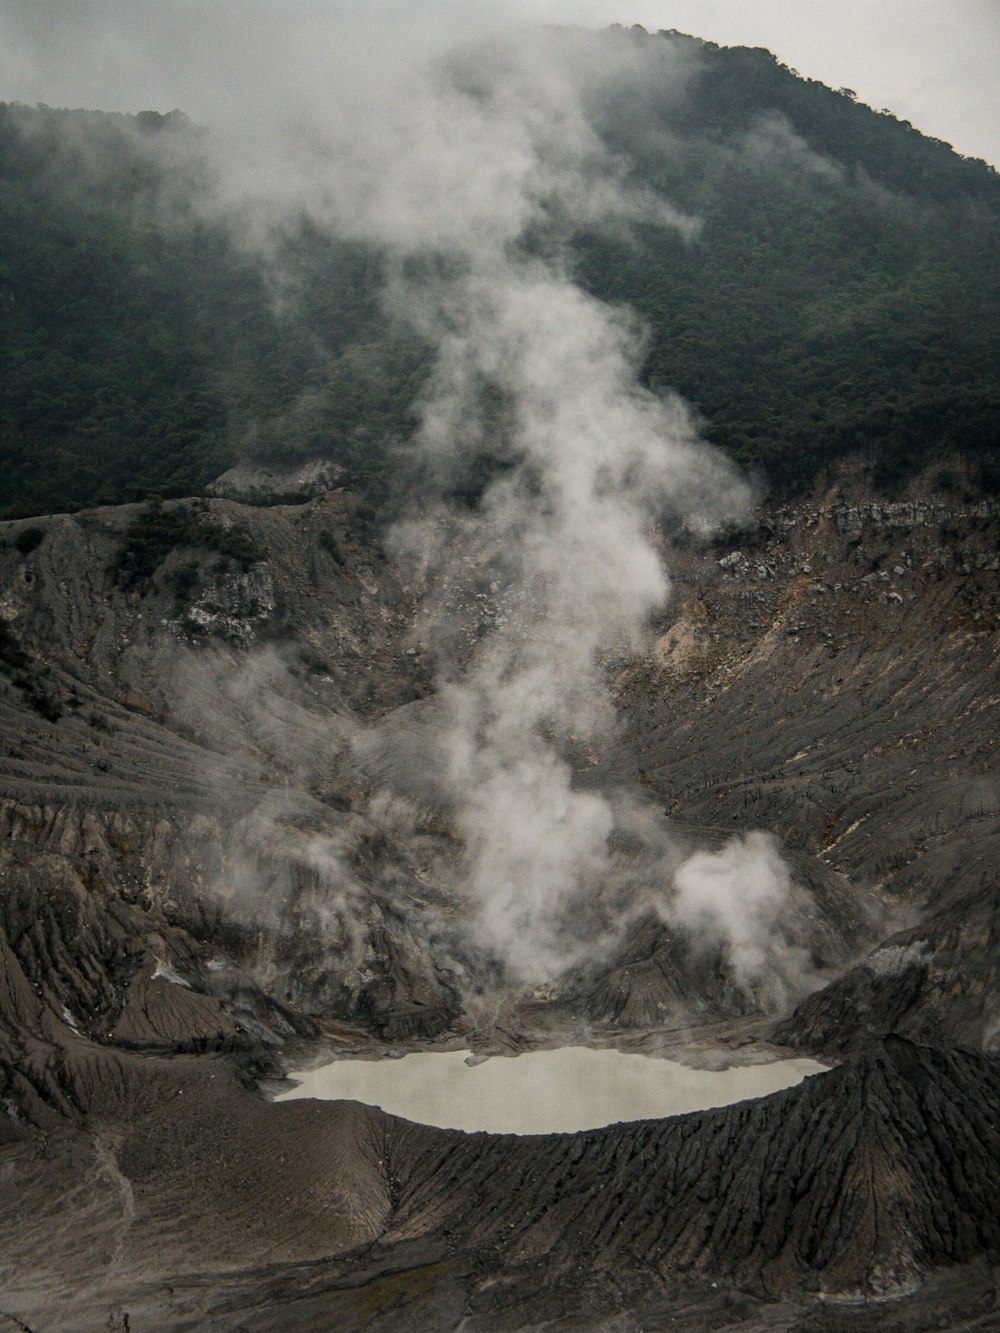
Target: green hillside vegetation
(844, 291)
(843, 294)
(143, 351)
(108, 378)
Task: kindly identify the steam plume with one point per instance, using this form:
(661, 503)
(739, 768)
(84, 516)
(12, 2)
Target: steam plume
(563, 539)
(470, 171)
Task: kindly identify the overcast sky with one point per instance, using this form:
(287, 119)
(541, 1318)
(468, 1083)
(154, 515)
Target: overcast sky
(935, 63)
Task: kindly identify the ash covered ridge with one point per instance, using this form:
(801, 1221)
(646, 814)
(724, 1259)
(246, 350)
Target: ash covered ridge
(189, 894)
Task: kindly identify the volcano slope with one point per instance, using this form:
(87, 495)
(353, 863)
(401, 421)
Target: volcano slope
(182, 794)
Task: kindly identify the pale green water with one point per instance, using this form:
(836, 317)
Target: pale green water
(541, 1092)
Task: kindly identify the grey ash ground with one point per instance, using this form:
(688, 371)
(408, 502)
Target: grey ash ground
(830, 675)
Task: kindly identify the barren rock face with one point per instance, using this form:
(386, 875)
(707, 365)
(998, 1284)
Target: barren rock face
(224, 837)
(861, 728)
(198, 1205)
(261, 485)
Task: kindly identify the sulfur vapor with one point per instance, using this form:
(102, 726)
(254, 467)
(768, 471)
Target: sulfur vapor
(470, 171)
(542, 476)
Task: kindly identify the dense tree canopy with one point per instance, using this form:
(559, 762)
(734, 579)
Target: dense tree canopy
(842, 293)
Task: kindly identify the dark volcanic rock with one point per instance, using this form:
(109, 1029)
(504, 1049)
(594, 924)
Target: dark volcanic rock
(855, 1185)
(176, 820)
(859, 1180)
(836, 679)
(939, 979)
(199, 768)
(196, 873)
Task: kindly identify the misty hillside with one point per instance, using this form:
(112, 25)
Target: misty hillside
(496, 557)
(833, 287)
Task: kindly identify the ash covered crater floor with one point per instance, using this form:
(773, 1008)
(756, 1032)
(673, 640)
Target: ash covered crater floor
(139, 1006)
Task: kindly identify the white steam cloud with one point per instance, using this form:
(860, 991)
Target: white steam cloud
(470, 171)
(565, 542)
(740, 900)
(489, 145)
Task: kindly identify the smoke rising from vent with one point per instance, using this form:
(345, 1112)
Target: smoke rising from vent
(740, 899)
(563, 543)
(469, 171)
(471, 182)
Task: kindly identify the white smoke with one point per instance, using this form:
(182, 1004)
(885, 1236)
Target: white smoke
(471, 172)
(740, 899)
(565, 538)
(567, 541)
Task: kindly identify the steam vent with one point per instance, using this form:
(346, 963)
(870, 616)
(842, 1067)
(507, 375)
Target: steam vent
(499, 550)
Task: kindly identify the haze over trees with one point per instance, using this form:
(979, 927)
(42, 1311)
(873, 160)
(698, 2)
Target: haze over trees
(839, 291)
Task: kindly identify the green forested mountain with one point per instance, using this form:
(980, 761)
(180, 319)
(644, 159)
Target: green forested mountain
(843, 293)
(142, 349)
